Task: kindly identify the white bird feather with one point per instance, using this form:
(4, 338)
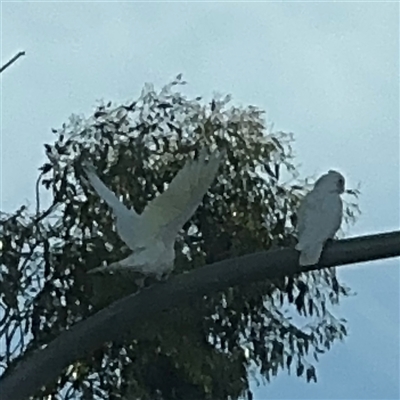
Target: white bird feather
(319, 217)
(152, 234)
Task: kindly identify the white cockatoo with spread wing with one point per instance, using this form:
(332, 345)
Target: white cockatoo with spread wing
(319, 217)
(151, 235)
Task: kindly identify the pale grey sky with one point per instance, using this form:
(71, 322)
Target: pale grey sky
(328, 72)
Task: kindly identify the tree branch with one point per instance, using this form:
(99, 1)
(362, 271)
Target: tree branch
(12, 61)
(112, 323)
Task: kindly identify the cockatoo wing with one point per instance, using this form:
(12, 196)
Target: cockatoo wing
(167, 213)
(319, 218)
(127, 221)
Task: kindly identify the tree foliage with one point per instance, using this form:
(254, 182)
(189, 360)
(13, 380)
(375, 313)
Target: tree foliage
(205, 351)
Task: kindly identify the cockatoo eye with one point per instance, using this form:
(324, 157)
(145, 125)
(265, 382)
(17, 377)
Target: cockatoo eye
(340, 185)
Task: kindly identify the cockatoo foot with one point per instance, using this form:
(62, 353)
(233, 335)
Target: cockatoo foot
(97, 270)
(106, 269)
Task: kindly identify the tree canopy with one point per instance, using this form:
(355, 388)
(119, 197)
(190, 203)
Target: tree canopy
(205, 351)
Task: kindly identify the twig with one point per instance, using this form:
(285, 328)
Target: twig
(38, 195)
(12, 61)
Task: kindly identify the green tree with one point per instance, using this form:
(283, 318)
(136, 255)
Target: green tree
(201, 352)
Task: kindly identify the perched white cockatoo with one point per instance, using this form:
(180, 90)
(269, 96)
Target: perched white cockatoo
(319, 217)
(152, 234)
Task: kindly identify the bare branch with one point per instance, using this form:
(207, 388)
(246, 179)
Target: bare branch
(124, 316)
(12, 61)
